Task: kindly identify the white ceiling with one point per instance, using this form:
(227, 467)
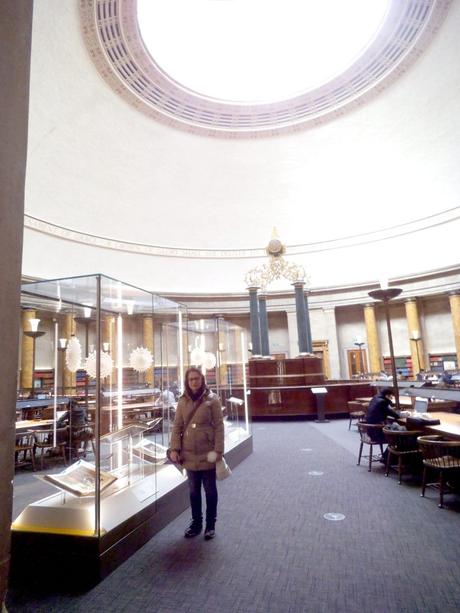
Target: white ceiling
(98, 166)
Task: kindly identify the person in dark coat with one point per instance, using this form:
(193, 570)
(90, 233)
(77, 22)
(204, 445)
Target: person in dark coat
(380, 408)
(76, 416)
(197, 441)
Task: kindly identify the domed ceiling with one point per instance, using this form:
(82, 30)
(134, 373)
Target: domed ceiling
(175, 184)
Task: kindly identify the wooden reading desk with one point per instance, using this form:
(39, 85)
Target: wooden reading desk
(449, 426)
(405, 402)
(33, 424)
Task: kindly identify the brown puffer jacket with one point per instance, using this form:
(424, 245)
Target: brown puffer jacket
(204, 433)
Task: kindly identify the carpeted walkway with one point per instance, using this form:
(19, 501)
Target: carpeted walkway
(275, 552)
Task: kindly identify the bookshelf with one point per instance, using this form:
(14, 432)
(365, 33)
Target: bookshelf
(130, 378)
(403, 365)
(165, 374)
(44, 380)
(443, 361)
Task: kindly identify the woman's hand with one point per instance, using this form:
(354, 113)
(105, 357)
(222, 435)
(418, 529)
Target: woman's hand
(174, 457)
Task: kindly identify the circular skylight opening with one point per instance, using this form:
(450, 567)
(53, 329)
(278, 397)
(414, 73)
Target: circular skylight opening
(257, 50)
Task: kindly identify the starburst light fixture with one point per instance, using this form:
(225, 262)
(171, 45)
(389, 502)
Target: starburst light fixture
(140, 359)
(73, 354)
(106, 365)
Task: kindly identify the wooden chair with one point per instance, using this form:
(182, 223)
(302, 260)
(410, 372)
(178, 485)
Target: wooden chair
(371, 434)
(44, 442)
(80, 437)
(25, 445)
(356, 411)
(403, 445)
(441, 456)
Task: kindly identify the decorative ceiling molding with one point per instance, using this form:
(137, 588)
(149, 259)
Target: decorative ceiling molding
(112, 36)
(418, 225)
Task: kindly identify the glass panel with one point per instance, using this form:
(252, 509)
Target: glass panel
(219, 349)
(107, 388)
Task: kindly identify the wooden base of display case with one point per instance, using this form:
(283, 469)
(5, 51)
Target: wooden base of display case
(65, 562)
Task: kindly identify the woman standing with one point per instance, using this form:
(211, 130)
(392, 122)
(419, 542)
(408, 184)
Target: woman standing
(197, 441)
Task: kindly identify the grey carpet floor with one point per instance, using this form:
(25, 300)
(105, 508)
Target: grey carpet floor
(275, 551)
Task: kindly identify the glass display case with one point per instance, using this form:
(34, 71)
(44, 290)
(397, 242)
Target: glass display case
(115, 357)
(219, 349)
(105, 413)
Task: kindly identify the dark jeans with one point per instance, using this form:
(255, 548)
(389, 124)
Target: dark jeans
(208, 479)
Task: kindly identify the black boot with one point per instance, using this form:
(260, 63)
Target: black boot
(210, 531)
(194, 529)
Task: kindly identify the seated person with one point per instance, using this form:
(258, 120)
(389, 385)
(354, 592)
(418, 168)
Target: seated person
(76, 416)
(166, 400)
(446, 378)
(378, 411)
(75, 419)
(421, 375)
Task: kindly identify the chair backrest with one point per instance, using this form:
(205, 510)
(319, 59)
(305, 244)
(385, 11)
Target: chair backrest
(402, 440)
(354, 406)
(43, 437)
(369, 432)
(438, 452)
(24, 440)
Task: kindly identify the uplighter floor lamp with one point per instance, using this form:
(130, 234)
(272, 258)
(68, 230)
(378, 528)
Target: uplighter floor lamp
(385, 295)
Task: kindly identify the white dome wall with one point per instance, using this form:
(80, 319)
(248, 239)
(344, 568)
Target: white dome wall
(99, 166)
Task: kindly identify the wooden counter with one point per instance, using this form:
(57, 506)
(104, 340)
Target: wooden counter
(283, 388)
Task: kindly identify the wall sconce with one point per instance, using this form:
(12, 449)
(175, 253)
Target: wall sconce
(62, 344)
(106, 347)
(221, 347)
(87, 311)
(130, 306)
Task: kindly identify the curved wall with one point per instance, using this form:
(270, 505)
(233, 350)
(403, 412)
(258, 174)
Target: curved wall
(97, 166)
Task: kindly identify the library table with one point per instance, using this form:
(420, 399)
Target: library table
(449, 426)
(33, 424)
